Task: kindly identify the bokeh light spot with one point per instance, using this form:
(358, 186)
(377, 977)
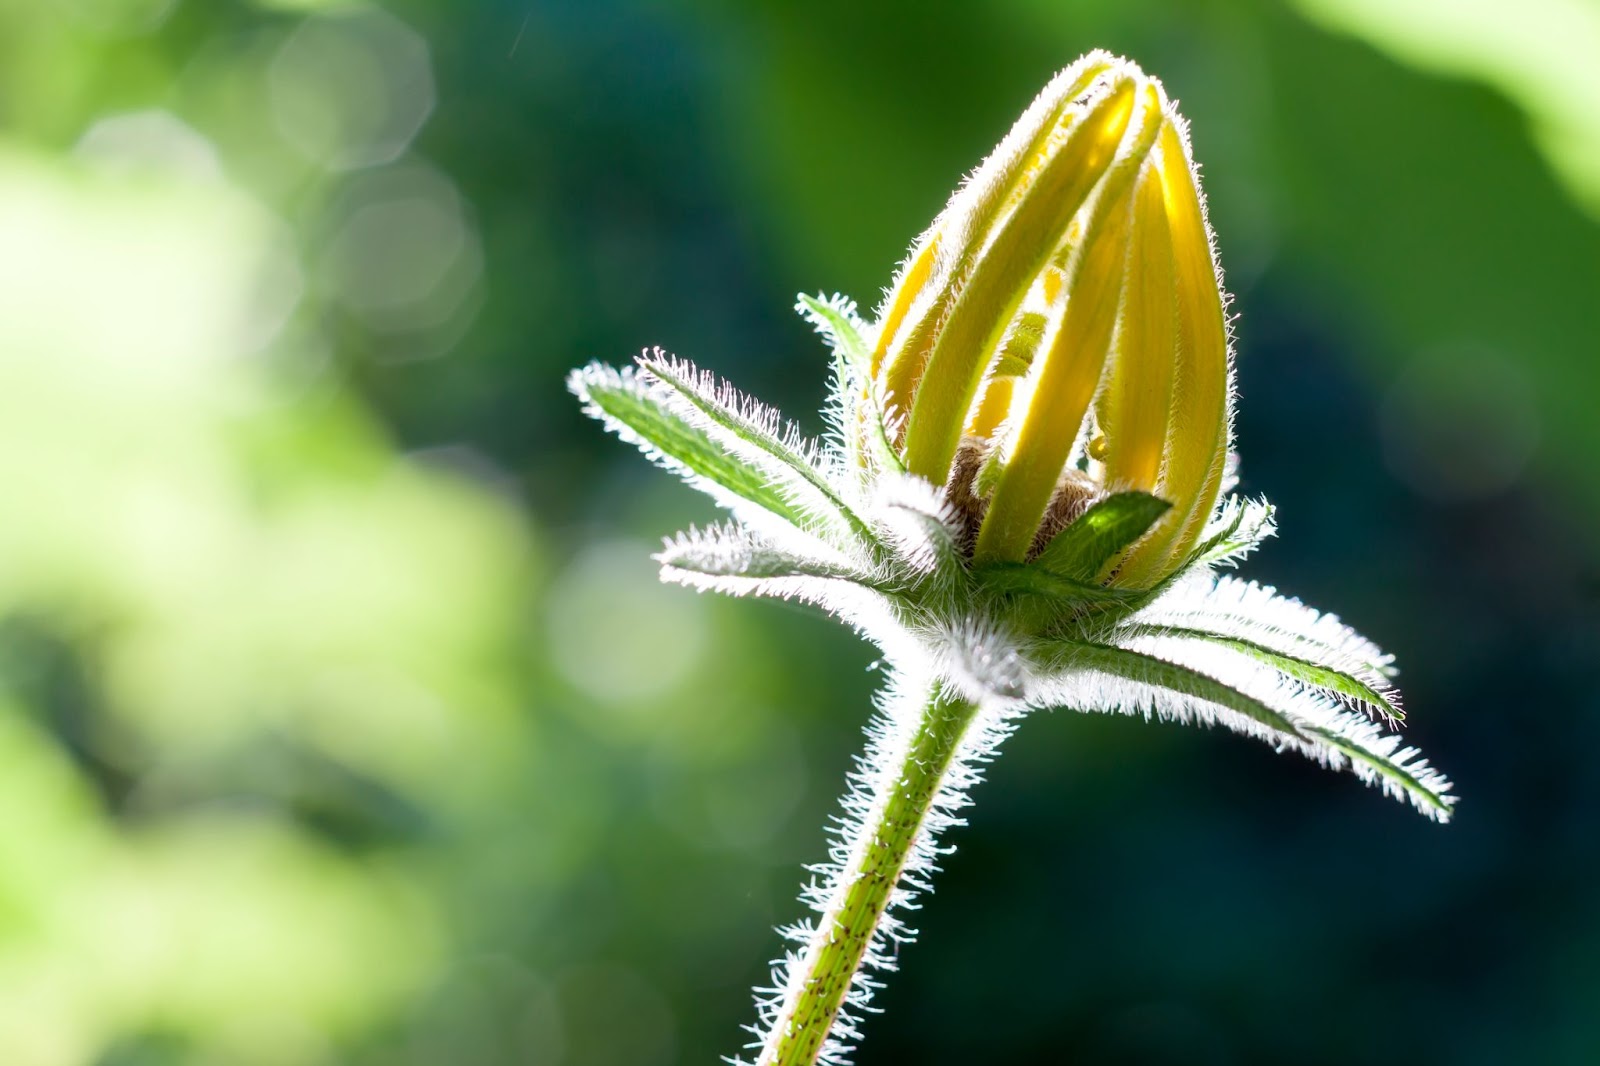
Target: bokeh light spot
(149, 141)
(351, 89)
(391, 260)
(404, 258)
(392, 254)
(617, 634)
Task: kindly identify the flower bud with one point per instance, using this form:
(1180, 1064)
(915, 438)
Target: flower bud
(1068, 294)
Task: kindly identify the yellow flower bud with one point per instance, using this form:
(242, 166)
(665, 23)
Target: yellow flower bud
(1068, 294)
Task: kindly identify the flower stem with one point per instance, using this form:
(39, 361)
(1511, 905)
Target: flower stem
(861, 893)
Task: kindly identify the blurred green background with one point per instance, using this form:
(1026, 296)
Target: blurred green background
(342, 719)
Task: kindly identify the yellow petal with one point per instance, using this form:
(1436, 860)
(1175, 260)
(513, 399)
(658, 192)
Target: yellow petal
(912, 280)
(1016, 357)
(1005, 269)
(1197, 444)
(1136, 405)
(938, 268)
(1070, 370)
(1066, 383)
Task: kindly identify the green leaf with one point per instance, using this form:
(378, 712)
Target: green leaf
(641, 416)
(1082, 550)
(1308, 671)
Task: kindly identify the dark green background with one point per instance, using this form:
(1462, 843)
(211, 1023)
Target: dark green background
(581, 844)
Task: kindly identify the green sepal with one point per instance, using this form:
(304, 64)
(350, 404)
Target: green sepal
(840, 330)
(1300, 669)
(641, 416)
(1032, 580)
(698, 392)
(1238, 530)
(852, 357)
(730, 552)
(1387, 769)
(1153, 670)
(1083, 549)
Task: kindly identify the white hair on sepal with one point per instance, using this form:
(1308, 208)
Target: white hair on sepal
(839, 304)
(871, 612)
(1244, 610)
(1339, 738)
(671, 371)
(917, 523)
(804, 542)
(734, 550)
(802, 470)
(584, 382)
(836, 320)
(1318, 726)
(1237, 529)
(597, 377)
(979, 658)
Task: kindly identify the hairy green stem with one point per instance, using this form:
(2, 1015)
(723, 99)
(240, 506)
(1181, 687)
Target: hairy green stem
(877, 857)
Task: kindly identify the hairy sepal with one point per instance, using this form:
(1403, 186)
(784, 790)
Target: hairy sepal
(644, 414)
(1048, 594)
(835, 318)
(735, 560)
(727, 550)
(1236, 530)
(984, 662)
(797, 467)
(1086, 548)
(1253, 621)
(1383, 703)
(1171, 680)
(915, 522)
(863, 434)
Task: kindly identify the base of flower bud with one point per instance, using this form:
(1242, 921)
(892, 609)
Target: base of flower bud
(1075, 493)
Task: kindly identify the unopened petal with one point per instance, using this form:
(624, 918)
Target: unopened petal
(1197, 444)
(1015, 360)
(938, 268)
(1135, 408)
(913, 280)
(1003, 273)
(1070, 370)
